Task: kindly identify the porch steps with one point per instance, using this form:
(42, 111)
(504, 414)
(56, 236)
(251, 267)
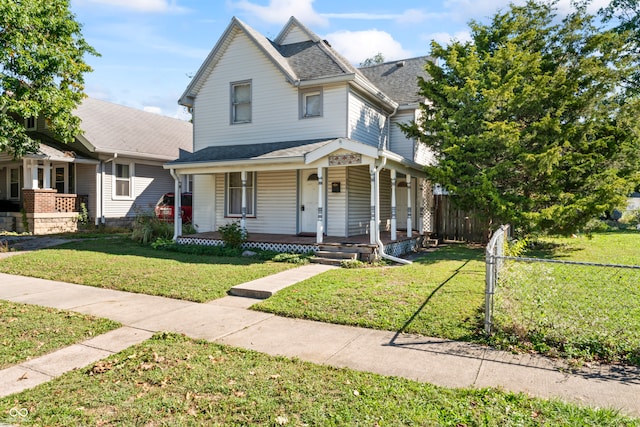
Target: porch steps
(335, 253)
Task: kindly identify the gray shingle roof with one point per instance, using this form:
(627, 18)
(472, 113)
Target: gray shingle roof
(271, 150)
(113, 128)
(400, 83)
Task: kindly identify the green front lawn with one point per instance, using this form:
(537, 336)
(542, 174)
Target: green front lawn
(172, 380)
(119, 263)
(28, 331)
(440, 294)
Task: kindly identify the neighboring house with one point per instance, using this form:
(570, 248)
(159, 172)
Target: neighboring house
(289, 138)
(114, 168)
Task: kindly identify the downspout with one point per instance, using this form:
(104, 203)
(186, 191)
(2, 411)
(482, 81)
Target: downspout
(395, 111)
(100, 217)
(377, 218)
(177, 209)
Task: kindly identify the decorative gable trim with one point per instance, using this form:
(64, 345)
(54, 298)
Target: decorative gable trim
(341, 144)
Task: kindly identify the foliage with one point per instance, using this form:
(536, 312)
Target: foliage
(147, 228)
(177, 381)
(292, 258)
(378, 58)
(352, 263)
(233, 234)
(83, 216)
(41, 70)
(25, 220)
(527, 121)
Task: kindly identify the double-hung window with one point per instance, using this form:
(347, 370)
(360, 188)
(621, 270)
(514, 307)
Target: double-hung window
(123, 180)
(311, 103)
(241, 102)
(14, 183)
(234, 194)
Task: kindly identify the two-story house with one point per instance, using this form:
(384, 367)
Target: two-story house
(289, 138)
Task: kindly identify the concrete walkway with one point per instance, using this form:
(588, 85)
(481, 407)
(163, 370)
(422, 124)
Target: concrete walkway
(227, 321)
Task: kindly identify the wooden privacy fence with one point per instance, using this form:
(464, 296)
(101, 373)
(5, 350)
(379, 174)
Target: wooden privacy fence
(451, 223)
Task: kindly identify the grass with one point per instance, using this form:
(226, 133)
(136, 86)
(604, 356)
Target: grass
(440, 294)
(172, 380)
(119, 263)
(28, 331)
(579, 312)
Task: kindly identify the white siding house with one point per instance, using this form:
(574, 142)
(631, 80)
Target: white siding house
(289, 138)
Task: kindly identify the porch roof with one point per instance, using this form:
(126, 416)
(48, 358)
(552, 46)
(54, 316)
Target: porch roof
(270, 150)
(48, 152)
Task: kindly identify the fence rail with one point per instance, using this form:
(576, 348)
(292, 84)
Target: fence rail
(572, 306)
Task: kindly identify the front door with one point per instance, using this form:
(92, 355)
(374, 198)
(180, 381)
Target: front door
(309, 201)
(401, 205)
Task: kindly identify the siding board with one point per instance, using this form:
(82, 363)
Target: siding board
(336, 202)
(359, 197)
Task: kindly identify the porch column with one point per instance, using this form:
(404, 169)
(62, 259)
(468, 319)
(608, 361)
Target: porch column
(320, 225)
(409, 221)
(421, 205)
(394, 234)
(372, 221)
(243, 219)
(34, 174)
(46, 175)
(177, 205)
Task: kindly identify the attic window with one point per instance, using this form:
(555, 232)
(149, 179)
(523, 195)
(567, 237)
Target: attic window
(311, 103)
(30, 123)
(241, 102)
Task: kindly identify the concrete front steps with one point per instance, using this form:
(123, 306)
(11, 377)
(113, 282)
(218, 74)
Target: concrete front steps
(335, 253)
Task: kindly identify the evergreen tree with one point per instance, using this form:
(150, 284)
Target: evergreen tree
(527, 120)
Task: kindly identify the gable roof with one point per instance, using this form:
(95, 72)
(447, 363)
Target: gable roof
(306, 60)
(111, 128)
(399, 79)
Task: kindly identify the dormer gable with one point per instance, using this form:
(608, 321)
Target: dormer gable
(295, 32)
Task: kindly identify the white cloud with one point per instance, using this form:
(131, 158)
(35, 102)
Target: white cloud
(357, 46)
(279, 11)
(446, 38)
(152, 109)
(142, 5)
(409, 16)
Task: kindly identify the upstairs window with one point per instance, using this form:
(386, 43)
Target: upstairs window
(241, 102)
(30, 123)
(311, 103)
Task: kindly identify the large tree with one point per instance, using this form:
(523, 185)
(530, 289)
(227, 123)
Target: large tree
(625, 15)
(41, 70)
(527, 120)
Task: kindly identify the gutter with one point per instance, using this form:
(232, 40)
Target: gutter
(100, 219)
(377, 218)
(177, 205)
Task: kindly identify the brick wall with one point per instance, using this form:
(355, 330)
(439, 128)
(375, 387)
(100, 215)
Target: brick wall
(39, 200)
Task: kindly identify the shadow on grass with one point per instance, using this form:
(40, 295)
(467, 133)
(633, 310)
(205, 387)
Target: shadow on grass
(426, 302)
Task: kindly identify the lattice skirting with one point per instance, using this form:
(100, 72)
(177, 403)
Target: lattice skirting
(393, 249)
(265, 246)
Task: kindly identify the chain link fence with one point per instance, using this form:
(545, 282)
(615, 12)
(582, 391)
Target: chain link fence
(575, 308)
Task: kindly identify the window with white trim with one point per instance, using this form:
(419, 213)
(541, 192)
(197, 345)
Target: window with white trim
(311, 103)
(123, 180)
(241, 102)
(234, 193)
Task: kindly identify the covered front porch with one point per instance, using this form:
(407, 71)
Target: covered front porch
(402, 244)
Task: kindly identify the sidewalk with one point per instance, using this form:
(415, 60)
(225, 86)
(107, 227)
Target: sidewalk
(227, 321)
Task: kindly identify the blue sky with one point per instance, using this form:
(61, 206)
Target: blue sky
(149, 48)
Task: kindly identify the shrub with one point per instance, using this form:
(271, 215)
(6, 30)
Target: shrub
(147, 229)
(233, 235)
(292, 258)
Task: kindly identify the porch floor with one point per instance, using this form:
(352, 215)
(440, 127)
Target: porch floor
(362, 239)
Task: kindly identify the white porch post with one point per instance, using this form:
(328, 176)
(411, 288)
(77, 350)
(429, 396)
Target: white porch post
(46, 175)
(34, 174)
(372, 221)
(243, 219)
(177, 205)
(320, 225)
(394, 234)
(409, 220)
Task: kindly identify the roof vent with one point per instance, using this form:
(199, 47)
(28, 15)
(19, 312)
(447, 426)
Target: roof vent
(400, 64)
(327, 43)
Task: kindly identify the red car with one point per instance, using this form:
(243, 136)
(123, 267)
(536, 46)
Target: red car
(164, 209)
